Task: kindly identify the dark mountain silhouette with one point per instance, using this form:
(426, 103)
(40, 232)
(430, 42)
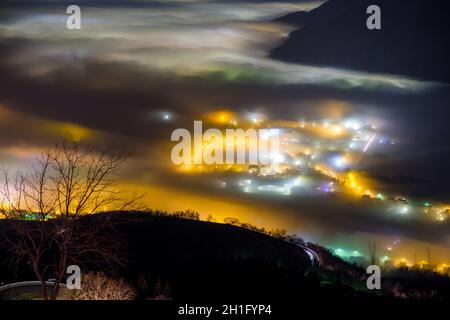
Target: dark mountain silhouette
(298, 18)
(413, 40)
(192, 260)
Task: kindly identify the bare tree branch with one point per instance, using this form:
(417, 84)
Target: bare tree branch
(65, 183)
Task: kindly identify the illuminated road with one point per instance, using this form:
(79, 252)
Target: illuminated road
(313, 256)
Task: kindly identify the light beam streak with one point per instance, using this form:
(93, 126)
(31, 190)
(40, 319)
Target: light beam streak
(369, 143)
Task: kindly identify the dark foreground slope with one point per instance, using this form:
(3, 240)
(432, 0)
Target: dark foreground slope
(190, 260)
(194, 260)
(413, 40)
(209, 261)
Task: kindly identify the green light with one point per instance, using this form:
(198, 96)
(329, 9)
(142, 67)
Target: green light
(380, 196)
(426, 204)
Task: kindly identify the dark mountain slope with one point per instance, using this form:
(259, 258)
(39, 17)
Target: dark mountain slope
(298, 18)
(413, 41)
(192, 260)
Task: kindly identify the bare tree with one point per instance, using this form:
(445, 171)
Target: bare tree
(98, 286)
(65, 183)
